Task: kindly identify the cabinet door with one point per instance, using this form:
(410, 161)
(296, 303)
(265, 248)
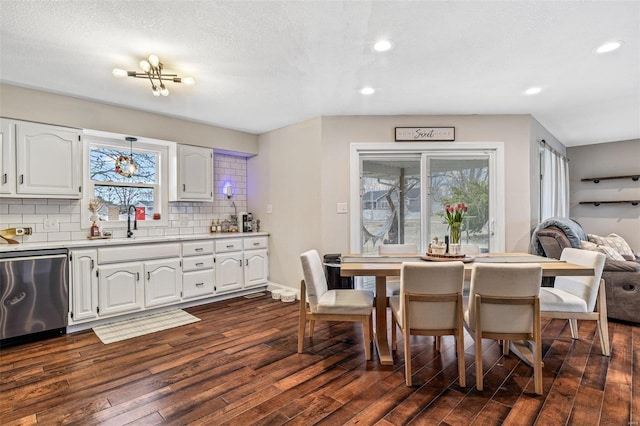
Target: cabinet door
(84, 285)
(163, 282)
(256, 267)
(195, 173)
(120, 288)
(49, 160)
(7, 157)
(228, 272)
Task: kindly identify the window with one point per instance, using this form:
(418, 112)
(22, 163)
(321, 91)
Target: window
(115, 191)
(554, 183)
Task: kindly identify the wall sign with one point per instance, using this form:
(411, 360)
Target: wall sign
(425, 134)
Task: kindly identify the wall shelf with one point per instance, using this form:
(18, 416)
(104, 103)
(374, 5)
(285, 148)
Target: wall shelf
(597, 203)
(598, 179)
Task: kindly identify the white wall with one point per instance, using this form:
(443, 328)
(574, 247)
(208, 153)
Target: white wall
(600, 160)
(33, 105)
(286, 174)
(312, 158)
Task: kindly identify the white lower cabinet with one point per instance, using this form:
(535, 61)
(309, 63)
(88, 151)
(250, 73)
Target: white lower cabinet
(84, 285)
(163, 282)
(229, 272)
(256, 267)
(121, 288)
(116, 280)
(198, 268)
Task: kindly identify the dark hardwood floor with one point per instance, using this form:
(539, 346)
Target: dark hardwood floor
(239, 366)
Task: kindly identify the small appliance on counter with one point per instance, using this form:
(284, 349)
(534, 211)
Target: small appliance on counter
(247, 222)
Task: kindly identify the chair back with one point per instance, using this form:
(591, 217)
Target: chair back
(314, 277)
(587, 287)
(431, 278)
(504, 280)
(397, 249)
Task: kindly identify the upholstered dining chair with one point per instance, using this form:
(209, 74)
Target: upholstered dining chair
(393, 284)
(575, 298)
(504, 305)
(331, 305)
(429, 304)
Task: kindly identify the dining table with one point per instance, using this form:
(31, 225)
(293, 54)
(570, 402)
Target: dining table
(382, 267)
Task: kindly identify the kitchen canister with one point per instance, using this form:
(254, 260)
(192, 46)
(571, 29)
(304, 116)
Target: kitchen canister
(275, 294)
(288, 296)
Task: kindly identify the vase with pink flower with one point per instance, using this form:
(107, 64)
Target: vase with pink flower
(454, 215)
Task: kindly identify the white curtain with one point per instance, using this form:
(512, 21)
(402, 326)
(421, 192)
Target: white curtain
(554, 183)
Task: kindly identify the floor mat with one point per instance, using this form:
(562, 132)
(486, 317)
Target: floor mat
(148, 324)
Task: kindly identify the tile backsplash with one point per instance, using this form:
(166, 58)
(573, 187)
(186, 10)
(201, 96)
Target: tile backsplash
(183, 218)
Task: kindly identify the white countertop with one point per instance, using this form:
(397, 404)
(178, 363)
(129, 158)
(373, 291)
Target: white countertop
(125, 241)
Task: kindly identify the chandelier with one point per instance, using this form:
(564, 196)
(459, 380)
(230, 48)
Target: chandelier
(152, 69)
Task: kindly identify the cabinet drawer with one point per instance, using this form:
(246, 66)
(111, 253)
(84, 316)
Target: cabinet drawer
(135, 252)
(198, 283)
(197, 248)
(223, 246)
(256, 243)
(197, 263)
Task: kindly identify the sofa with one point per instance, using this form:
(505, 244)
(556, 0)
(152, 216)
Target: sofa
(621, 277)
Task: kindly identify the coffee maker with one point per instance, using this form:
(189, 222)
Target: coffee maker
(247, 222)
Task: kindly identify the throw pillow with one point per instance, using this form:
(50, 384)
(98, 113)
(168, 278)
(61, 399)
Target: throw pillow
(609, 252)
(614, 241)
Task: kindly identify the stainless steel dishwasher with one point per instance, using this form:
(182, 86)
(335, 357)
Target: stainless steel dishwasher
(34, 295)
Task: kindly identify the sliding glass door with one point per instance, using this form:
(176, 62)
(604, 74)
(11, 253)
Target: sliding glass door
(391, 201)
(459, 179)
(402, 190)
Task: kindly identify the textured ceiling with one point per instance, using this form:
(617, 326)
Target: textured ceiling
(261, 65)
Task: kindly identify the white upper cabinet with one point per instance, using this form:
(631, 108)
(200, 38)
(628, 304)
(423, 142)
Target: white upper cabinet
(47, 159)
(192, 177)
(7, 157)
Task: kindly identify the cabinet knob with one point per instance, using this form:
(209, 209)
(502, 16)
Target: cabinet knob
(21, 179)
(199, 284)
(4, 178)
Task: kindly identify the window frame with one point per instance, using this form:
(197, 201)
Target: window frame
(94, 138)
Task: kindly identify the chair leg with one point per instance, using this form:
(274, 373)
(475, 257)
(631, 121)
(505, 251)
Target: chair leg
(505, 347)
(478, 360)
(438, 342)
(312, 324)
(407, 357)
(366, 332)
(302, 316)
(573, 325)
(394, 325)
(603, 323)
(460, 350)
(301, 328)
(537, 348)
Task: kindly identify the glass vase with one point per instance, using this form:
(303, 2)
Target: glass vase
(455, 230)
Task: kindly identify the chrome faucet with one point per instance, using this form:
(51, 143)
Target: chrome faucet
(135, 221)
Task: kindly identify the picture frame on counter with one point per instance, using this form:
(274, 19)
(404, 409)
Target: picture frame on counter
(411, 134)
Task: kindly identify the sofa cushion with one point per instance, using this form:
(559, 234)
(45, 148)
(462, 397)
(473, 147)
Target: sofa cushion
(610, 252)
(614, 241)
(621, 266)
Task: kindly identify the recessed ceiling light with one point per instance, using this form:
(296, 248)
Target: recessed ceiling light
(609, 47)
(383, 45)
(532, 91)
(367, 90)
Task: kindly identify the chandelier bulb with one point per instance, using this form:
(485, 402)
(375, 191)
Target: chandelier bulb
(156, 91)
(164, 91)
(145, 66)
(118, 73)
(188, 81)
(153, 60)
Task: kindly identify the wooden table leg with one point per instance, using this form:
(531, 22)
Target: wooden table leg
(381, 339)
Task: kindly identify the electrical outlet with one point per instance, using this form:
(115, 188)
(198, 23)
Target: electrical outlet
(50, 224)
(341, 208)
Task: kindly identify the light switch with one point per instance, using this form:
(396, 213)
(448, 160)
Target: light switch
(269, 208)
(342, 208)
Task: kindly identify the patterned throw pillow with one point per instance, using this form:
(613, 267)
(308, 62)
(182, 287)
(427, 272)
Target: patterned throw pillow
(609, 252)
(614, 241)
